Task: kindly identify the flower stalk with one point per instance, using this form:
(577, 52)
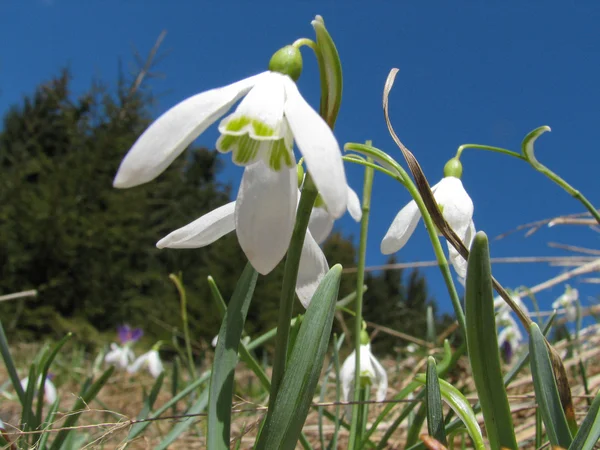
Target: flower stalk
(290, 275)
(186, 329)
(357, 426)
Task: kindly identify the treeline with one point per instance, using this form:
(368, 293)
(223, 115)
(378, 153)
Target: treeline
(90, 251)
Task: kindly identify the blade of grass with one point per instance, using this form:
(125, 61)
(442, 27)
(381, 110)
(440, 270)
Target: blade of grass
(226, 357)
(482, 342)
(77, 409)
(198, 406)
(285, 419)
(435, 413)
(546, 392)
(589, 432)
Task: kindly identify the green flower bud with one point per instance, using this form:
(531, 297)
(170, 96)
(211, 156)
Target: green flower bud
(453, 168)
(364, 338)
(288, 61)
(300, 170)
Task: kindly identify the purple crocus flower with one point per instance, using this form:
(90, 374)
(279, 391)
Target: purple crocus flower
(128, 334)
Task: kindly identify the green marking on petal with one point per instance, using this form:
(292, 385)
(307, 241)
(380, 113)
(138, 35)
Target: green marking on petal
(246, 150)
(236, 124)
(262, 129)
(279, 156)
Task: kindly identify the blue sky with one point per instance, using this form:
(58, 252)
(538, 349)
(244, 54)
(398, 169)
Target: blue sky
(485, 72)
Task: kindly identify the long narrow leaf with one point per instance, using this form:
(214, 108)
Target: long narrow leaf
(45, 366)
(482, 342)
(226, 357)
(183, 425)
(546, 392)
(77, 409)
(435, 413)
(589, 432)
(148, 404)
(460, 405)
(285, 420)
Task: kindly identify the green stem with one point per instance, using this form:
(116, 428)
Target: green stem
(288, 290)
(542, 169)
(570, 190)
(186, 329)
(357, 408)
(403, 178)
(490, 149)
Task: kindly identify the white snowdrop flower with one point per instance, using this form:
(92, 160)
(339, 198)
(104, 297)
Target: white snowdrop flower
(151, 360)
(215, 340)
(50, 393)
(119, 356)
(260, 135)
(568, 301)
(457, 209)
(210, 227)
(370, 369)
(500, 305)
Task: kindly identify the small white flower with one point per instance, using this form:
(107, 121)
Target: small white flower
(568, 302)
(369, 368)
(260, 135)
(119, 356)
(210, 227)
(457, 209)
(321, 220)
(151, 360)
(50, 392)
(501, 306)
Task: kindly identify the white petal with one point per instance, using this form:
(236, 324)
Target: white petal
(203, 231)
(401, 229)
(214, 341)
(172, 132)
(320, 224)
(50, 392)
(312, 269)
(320, 149)
(354, 207)
(265, 212)
(113, 355)
(460, 263)
(347, 376)
(155, 365)
(138, 363)
(457, 206)
(381, 379)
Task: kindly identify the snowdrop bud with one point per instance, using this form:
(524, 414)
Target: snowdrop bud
(364, 338)
(287, 61)
(300, 170)
(453, 168)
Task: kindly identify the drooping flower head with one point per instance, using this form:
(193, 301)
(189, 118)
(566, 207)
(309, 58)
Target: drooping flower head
(372, 372)
(456, 207)
(568, 302)
(50, 392)
(150, 360)
(509, 340)
(259, 134)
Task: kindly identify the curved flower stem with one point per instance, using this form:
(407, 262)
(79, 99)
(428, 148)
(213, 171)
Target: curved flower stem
(403, 178)
(490, 149)
(288, 289)
(186, 329)
(302, 42)
(542, 169)
(357, 425)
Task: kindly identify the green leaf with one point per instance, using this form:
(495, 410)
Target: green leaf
(482, 343)
(172, 402)
(198, 406)
(45, 364)
(589, 432)
(330, 68)
(460, 405)
(226, 358)
(527, 145)
(435, 413)
(81, 402)
(285, 420)
(546, 391)
(148, 404)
